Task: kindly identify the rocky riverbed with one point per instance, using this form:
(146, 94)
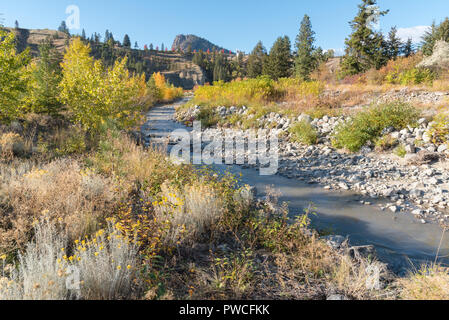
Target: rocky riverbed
(417, 183)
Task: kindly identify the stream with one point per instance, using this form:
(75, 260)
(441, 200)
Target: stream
(400, 240)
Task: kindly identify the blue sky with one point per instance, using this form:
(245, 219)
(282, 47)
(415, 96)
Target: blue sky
(233, 24)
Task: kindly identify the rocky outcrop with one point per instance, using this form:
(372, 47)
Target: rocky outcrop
(186, 78)
(32, 38)
(192, 42)
(440, 57)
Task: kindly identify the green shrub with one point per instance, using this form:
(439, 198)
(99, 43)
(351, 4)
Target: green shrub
(410, 77)
(368, 125)
(439, 129)
(208, 117)
(386, 143)
(304, 132)
(74, 143)
(400, 151)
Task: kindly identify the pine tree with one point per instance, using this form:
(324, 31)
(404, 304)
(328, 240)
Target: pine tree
(256, 60)
(83, 35)
(106, 36)
(407, 49)
(221, 68)
(237, 66)
(46, 78)
(440, 32)
(279, 61)
(126, 41)
(394, 44)
(364, 47)
(63, 28)
(16, 24)
(136, 45)
(304, 61)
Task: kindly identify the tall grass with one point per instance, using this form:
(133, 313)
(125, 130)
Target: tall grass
(428, 283)
(192, 211)
(101, 268)
(256, 92)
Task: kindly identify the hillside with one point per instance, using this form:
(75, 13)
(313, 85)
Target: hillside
(32, 38)
(192, 42)
(177, 68)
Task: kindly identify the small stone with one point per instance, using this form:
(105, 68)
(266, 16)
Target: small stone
(442, 148)
(393, 209)
(410, 149)
(343, 185)
(415, 193)
(305, 117)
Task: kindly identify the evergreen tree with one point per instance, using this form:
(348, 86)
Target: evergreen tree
(440, 32)
(279, 61)
(364, 47)
(380, 55)
(238, 68)
(136, 45)
(151, 47)
(46, 78)
(83, 35)
(394, 44)
(63, 28)
(16, 24)
(221, 68)
(256, 60)
(305, 62)
(107, 36)
(407, 49)
(126, 41)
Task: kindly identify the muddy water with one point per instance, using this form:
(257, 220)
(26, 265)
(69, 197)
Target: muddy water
(400, 240)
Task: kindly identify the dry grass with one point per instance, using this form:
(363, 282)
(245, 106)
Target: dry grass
(101, 268)
(13, 145)
(39, 275)
(116, 257)
(192, 212)
(62, 190)
(429, 283)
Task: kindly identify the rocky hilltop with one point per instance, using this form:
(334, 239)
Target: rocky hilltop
(32, 38)
(177, 68)
(192, 42)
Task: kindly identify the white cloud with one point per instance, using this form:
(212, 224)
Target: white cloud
(416, 33)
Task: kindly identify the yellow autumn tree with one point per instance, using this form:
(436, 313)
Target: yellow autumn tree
(95, 95)
(167, 91)
(14, 77)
